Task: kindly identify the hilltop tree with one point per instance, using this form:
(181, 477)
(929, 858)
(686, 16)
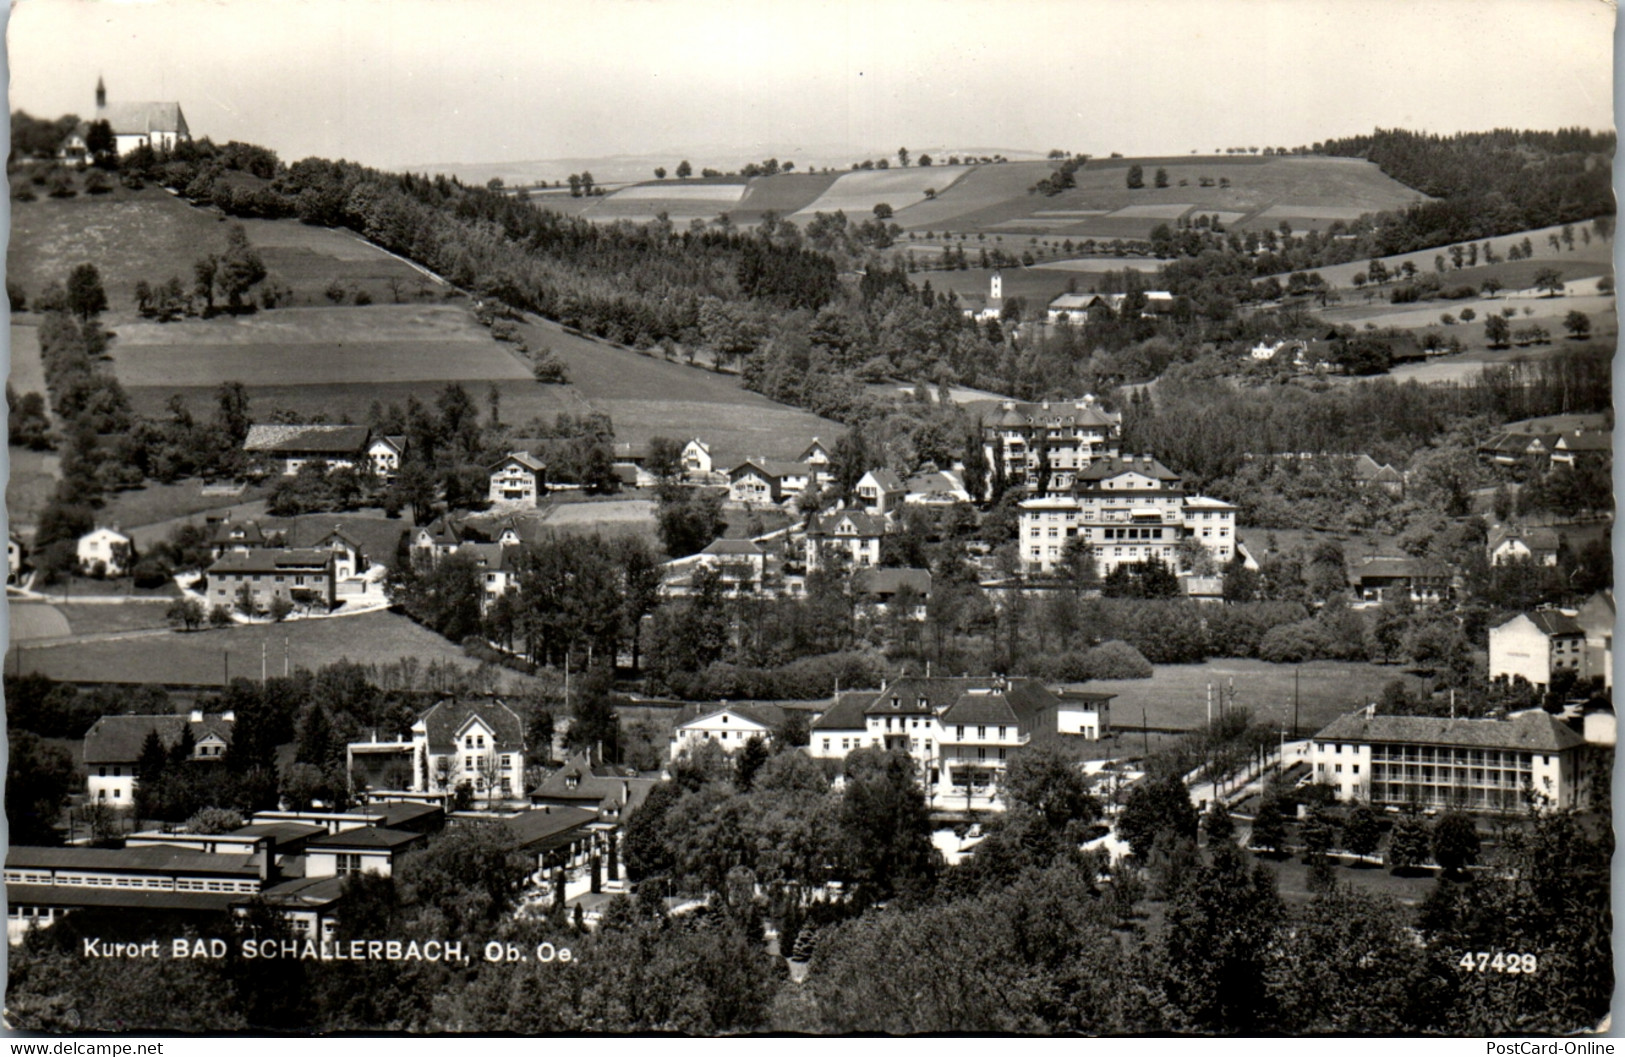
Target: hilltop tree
(902, 162)
(1136, 178)
(660, 172)
(684, 170)
(86, 297)
(1162, 178)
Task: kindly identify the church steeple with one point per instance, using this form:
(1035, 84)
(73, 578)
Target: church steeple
(101, 94)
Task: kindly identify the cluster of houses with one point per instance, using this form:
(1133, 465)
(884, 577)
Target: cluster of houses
(1551, 442)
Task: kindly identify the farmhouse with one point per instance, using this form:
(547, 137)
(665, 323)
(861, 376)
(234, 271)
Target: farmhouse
(304, 577)
(284, 449)
(518, 480)
(730, 726)
(1065, 436)
(1509, 449)
(1574, 449)
(105, 551)
(1422, 580)
(878, 589)
(386, 453)
(113, 748)
(1536, 646)
(1126, 510)
(1431, 761)
(1537, 545)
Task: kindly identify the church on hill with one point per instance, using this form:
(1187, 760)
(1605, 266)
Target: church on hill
(157, 125)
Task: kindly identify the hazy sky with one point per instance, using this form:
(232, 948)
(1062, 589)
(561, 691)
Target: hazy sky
(416, 81)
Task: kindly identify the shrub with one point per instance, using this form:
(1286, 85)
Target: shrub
(362, 297)
(1116, 659)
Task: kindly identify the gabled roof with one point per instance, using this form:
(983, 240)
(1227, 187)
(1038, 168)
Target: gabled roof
(1533, 731)
(777, 469)
(940, 482)
(141, 119)
(1382, 567)
(735, 548)
(1549, 622)
(1106, 469)
(247, 533)
(312, 439)
(846, 712)
(812, 449)
(524, 459)
(975, 708)
(492, 557)
(396, 441)
(118, 739)
(377, 539)
(885, 480)
(265, 560)
(446, 719)
(443, 531)
(1586, 442)
(1537, 540)
(1364, 467)
(769, 716)
(1025, 697)
(863, 523)
(577, 781)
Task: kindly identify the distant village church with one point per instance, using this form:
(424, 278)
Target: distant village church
(157, 125)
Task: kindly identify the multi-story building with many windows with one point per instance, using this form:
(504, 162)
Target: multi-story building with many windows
(1125, 510)
(1065, 437)
(1434, 762)
(962, 733)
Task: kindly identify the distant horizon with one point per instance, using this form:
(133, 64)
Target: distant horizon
(503, 82)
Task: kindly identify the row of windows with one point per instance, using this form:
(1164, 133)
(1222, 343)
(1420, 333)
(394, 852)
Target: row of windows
(181, 884)
(1449, 754)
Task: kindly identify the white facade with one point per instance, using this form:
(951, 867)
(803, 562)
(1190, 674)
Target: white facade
(1534, 647)
(110, 548)
(517, 481)
(726, 727)
(1124, 529)
(385, 457)
(696, 459)
(1489, 765)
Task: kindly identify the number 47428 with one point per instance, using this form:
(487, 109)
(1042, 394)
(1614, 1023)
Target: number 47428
(1499, 962)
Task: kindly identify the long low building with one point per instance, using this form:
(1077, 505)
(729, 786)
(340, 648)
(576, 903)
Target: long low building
(1488, 765)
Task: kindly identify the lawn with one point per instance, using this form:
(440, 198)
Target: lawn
(33, 480)
(39, 620)
(1176, 694)
(161, 502)
(201, 657)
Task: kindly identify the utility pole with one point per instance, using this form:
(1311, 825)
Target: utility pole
(1296, 671)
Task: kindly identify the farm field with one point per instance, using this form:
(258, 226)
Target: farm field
(1305, 192)
(1176, 694)
(1586, 259)
(32, 480)
(647, 396)
(328, 346)
(202, 657)
(783, 194)
(857, 193)
(1038, 286)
